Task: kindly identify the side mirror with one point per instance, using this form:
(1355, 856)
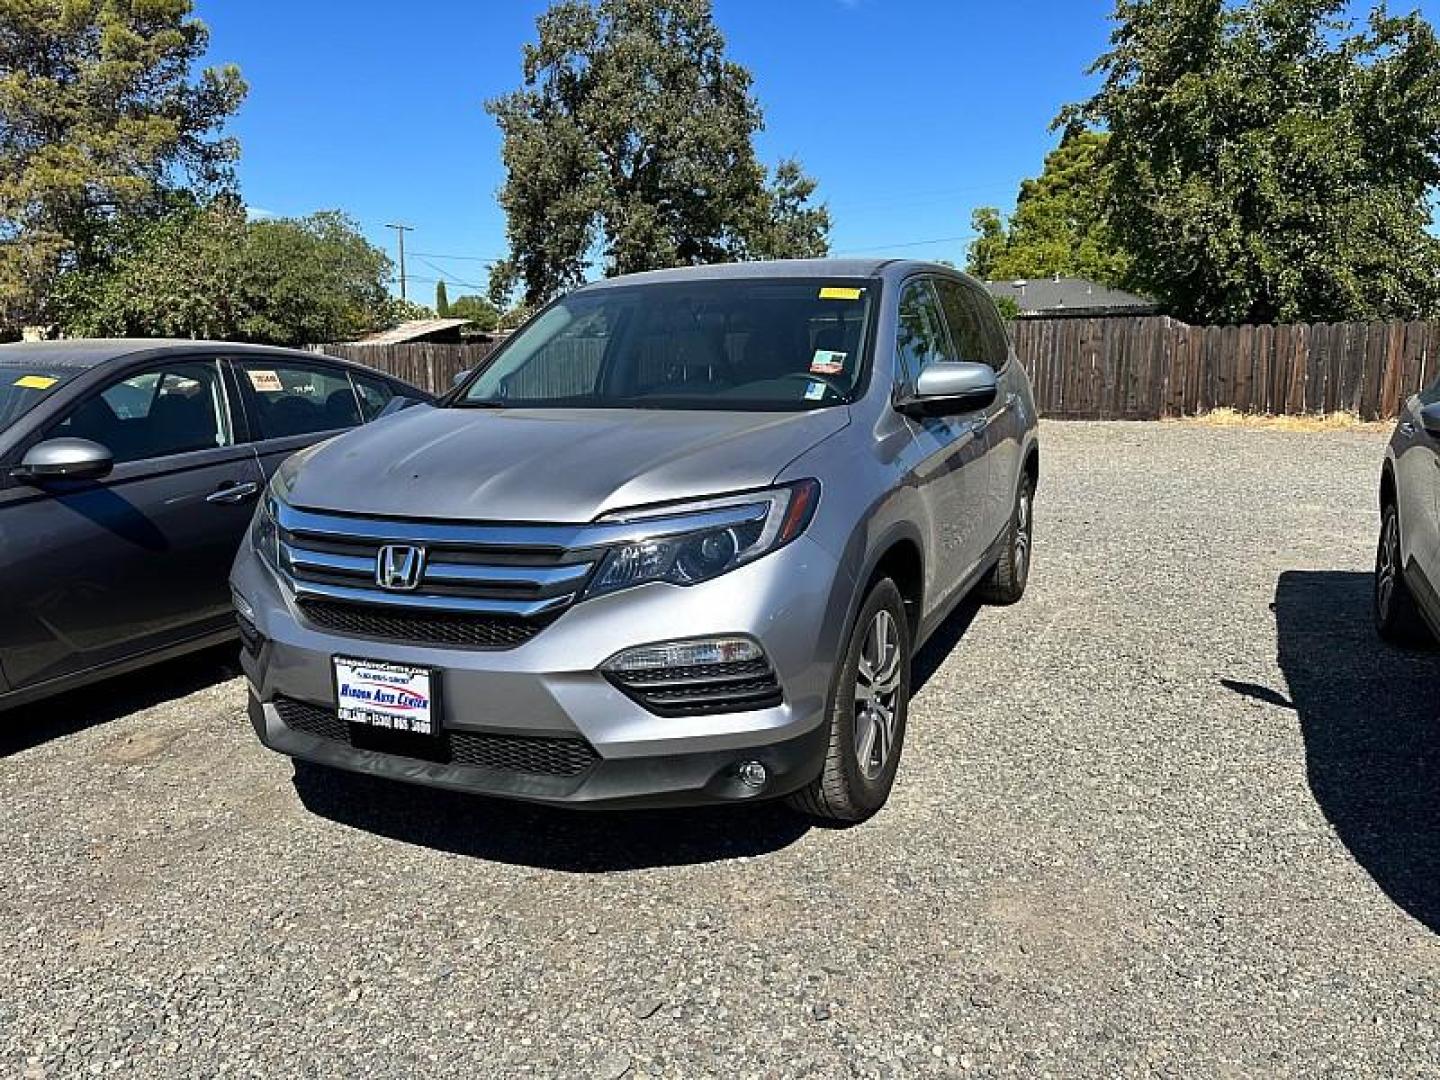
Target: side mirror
(946, 389)
(1430, 419)
(64, 459)
(461, 376)
(398, 403)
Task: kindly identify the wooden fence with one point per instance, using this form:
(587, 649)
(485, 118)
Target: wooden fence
(1143, 369)
(1135, 369)
(430, 367)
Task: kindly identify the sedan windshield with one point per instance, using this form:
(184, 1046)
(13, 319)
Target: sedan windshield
(22, 388)
(738, 344)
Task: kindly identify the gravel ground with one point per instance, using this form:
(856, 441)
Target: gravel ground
(1176, 813)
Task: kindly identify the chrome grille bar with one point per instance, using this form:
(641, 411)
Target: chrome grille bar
(525, 609)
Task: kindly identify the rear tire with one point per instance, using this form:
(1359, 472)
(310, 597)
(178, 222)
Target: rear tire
(1005, 584)
(870, 701)
(1397, 618)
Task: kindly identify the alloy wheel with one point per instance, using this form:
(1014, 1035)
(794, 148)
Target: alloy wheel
(877, 695)
(1387, 565)
(1022, 535)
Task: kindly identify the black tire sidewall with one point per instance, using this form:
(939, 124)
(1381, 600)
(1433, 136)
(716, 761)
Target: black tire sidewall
(866, 794)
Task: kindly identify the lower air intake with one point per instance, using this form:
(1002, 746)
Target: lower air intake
(530, 754)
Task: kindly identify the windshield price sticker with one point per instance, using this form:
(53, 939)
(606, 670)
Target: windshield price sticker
(267, 382)
(827, 362)
(837, 292)
(35, 382)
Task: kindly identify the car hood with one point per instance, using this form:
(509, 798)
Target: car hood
(550, 465)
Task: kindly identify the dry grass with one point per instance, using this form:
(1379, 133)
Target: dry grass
(1336, 421)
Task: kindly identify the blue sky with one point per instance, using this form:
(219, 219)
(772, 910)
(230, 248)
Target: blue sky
(909, 112)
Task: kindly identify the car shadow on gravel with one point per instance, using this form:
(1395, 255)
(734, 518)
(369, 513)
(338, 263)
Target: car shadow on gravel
(72, 712)
(1370, 716)
(575, 840)
(551, 838)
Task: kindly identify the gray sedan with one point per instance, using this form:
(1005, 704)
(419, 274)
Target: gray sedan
(128, 474)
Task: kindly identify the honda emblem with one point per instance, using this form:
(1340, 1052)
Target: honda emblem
(399, 567)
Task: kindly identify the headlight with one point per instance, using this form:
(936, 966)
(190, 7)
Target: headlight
(265, 529)
(728, 533)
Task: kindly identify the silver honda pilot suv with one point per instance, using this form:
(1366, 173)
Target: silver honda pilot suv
(677, 542)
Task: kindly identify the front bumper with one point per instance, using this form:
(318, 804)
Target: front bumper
(550, 687)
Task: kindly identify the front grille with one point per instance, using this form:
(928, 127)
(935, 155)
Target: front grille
(530, 754)
(702, 689)
(447, 628)
(478, 586)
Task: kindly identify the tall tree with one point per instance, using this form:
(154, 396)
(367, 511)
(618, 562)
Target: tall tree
(631, 141)
(442, 300)
(1060, 225)
(99, 117)
(1271, 159)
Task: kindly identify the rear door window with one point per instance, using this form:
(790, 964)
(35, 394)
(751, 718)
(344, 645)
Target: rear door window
(288, 399)
(176, 409)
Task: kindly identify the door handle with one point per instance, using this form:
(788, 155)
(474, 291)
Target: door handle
(1407, 429)
(231, 494)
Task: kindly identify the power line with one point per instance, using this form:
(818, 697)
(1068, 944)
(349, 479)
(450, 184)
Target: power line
(447, 276)
(910, 244)
(459, 258)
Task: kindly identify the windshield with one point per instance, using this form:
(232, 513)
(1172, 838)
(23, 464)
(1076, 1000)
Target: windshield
(746, 345)
(22, 388)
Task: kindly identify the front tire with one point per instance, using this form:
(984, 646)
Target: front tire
(1005, 584)
(870, 701)
(1397, 618)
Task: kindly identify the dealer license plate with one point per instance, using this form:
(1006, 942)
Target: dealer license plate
(393, 697)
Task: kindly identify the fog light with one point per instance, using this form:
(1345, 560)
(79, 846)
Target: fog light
(685, 654)
(243, 608)
(753, 774)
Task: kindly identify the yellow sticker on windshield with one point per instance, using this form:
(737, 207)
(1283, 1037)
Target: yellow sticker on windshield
(35, 382)
(836, 292)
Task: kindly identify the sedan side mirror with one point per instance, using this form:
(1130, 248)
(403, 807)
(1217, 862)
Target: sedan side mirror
(946, 389)
(64, 459)
(461, 376)
(1430, 418)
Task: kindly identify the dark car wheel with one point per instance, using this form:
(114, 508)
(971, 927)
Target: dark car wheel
(1396, 616)
(1005, 584)
(869, 703)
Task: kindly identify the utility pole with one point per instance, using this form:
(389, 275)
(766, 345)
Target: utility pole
(400, 231)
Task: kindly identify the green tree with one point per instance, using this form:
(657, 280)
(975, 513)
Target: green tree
(442, 300)
(990, 243)
(480, 311)
(631, 142)
(1060, 225)
(99, 118)
(207, 272)
(311, 279)
(1272, 160)
(788, 224)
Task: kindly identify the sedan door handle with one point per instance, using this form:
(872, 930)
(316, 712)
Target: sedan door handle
(231, 494)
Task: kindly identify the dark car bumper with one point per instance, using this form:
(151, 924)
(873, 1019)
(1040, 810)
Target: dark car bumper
(671, 780)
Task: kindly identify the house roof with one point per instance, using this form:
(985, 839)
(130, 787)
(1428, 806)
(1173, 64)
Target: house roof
(1070, 296)
(412, 331)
